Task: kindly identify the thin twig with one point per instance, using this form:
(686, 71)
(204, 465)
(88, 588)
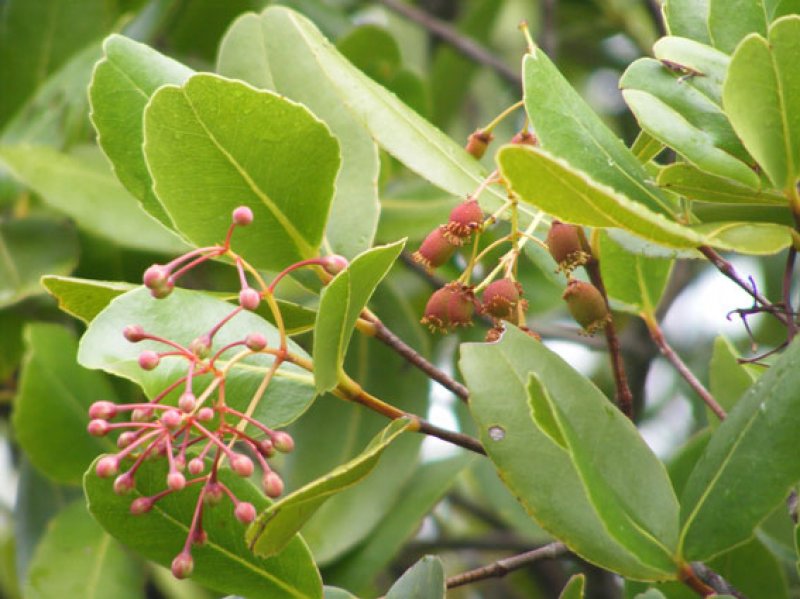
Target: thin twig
(467, 46)
(658, 337)
(502, 567)
(791, 326)
(718, 585)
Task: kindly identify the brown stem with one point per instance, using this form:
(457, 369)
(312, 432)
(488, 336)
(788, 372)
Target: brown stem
(658, 337)
(711, 580)
(502, 567)
(727, 269)
(467, 46)
(791, 325)
(624, 397)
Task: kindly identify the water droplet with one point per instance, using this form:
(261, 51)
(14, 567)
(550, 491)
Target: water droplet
(496, 433)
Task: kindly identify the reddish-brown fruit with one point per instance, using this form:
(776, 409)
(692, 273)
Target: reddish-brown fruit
(464, 219)
(448, 307)
(435, 250)
(477, 143)
(525, 138)
(501, 298)
(587, 305)
(567, 246)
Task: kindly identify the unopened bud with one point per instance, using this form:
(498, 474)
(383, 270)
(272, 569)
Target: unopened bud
(334, 264)
(196, 466)
(98, 428)
(148, 360)
(187, 401)
(141, 505)
(205, 414)
(124, 484)
(107, 466)
(283, 442)
(103, 410)
(176, 481)
(126, 439)
(249, 298)
(477, 143)
(133, 333)
(241, 464)
(272, 484)
(213, 494)
(242, 216)
(201, 347)
(245, 512)
(525, 138)
(182, 565)
(172, 419)
(255, 342)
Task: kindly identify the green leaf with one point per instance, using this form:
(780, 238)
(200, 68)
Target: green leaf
(763, 81)
(29, 248)
(752, 569)
(336, 593)
(122, 84)
(614, 507)
(270, 51)
(645, 147)
(419, 496)
(11, 349)
(77, 559)
(568, 129)
(553, 185)
(39, 37)
(224, 562)
(340, 305)
(423, 580)
(413, 212)
(681, 115)
(687, 18)
(81, 186)
(103, 346)
(277, 525)
(633, 279)
(731, 20)
(574, 587)
(195, 149)
(694, 184)
(747, 238)
(728, 380)
(51, 408)
(746, 470)
(700, 66)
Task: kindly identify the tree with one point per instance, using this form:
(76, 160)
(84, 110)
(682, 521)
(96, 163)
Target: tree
(269, 261)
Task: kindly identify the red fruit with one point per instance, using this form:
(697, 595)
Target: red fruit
(464, 219)
(587, 305)
(477, 143)
(525, 138)
(182, 565)
(501, 298)
(148, 360)
(567, 246)
(242, 216)
(435, 250)
(249, 298)
(245, 512)
(448, 307)
(133, 333)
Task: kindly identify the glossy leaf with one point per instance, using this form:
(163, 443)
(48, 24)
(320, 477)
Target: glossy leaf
(103, 346)
(700, 66)
(729, 21)
(423, 580)
(615, 508)
(553, 185)
(633, 279)
(82, 186)
(763, 79)
(744, 472)
(728, 380)
(569, 130)
(422, 492)
(276, 526)
(753, 570)
(32, 247)
(205, 163)
(51, 408)
(746, 238)
(694, 184)
(224, 562)
(122, 84)
(340, 305)
(271, 52)
(574, 587)
(77, 559)
(687, 18)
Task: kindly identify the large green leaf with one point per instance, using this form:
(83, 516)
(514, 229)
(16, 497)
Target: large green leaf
(77, 559)
(214, 144)
(103, 346)
(728, 380)
(748, 467)
(760, 99)
(694, 184)
(700, 66)
(423, 580)
(270, 51)
(122, 84)
(614, 507)
(340, 305)
(687, 18)
(50, 411)
(745, 237)
(633, 279)
(32, 247)
(224, 562)
(731, 20)
(567, 128)
(281, 521)
(81, 185)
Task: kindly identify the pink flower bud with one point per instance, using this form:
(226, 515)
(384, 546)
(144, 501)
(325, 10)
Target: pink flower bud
(242, 216)
(164, 290)
(249, 298)
(133, 333)
(199, 537)
(201, 347)
(245, 512)
(155, 276)
(283, 442)
(213, 494)
(182, 565)
(205, 414)
(196, 466)
(176, 481)
(141, 414)
(148, 360)
(255, 341)
(126, 439)
(107, 466)
(266, 448)
(141, 505)
(241, 464)
(334, 264)
(98, 428)
(172, 419)
(272, 484)
(103, 410)
(124, 484)
(187, 402)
